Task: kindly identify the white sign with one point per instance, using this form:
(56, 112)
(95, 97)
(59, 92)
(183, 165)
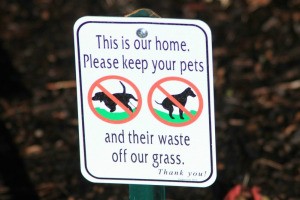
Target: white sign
(145, 101)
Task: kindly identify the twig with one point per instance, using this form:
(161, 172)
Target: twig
(267, 162)
(293, 85)
(61, 85)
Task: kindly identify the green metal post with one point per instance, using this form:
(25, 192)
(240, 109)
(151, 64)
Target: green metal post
(145, 192)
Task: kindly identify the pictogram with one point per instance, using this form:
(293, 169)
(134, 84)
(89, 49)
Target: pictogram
(163, 109)
(118, 106)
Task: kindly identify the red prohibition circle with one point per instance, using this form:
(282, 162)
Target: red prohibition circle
(97, 83)
(157, 85)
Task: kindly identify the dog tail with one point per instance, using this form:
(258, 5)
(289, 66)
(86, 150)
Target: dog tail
(133, 98)
(124, 88)
(158, 103)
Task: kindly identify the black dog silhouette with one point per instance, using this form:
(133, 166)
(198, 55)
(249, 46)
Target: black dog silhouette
(181, 98)
(122, 97)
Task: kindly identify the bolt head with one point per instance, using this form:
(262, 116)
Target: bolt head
(142, 33)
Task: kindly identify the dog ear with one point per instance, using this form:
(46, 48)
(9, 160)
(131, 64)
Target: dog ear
(101, 96)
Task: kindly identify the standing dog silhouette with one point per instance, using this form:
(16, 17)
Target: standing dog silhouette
(122, 97)
(181, 98)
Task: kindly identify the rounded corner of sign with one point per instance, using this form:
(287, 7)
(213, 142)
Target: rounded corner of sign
(80, 21)
(87, 175)
(211, 180)
(204, 26)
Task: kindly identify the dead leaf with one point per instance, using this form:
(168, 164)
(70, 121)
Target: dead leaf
(33, 150)
(255, 4)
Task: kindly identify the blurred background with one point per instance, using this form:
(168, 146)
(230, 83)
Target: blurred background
(256, 50)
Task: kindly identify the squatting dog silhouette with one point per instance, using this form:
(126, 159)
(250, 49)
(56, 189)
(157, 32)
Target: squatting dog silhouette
(122, 97)
(181, 98)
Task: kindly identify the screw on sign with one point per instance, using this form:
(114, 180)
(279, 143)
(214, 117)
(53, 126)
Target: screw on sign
(167, 114)
(114, 107)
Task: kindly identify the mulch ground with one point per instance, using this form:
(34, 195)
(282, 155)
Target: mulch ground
(257, 96)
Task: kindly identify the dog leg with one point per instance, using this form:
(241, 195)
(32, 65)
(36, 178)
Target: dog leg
(112, 109)
(181, 114)
(171, 112)
(110, 105)
(129, 108)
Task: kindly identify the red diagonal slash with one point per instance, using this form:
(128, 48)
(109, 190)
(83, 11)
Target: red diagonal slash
(181, 107)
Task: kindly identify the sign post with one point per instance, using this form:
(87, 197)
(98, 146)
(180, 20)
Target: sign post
(145, 102)
(145, 192)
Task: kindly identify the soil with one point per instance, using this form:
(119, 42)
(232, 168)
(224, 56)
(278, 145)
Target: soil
(257, 90)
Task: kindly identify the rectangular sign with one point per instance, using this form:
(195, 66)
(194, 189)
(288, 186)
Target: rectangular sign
(145, 101)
